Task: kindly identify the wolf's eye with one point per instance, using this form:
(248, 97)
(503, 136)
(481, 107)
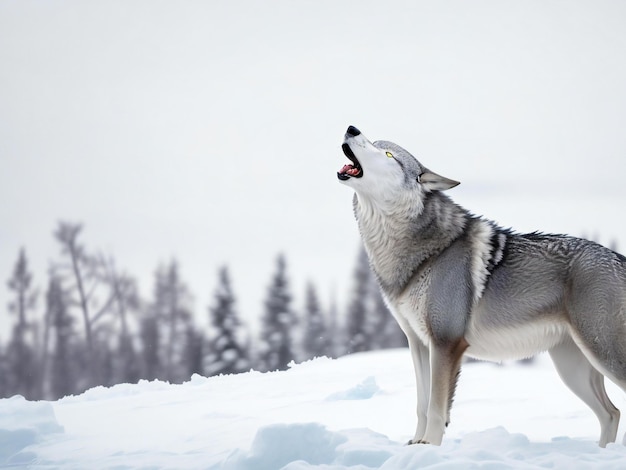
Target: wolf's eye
(389, 154)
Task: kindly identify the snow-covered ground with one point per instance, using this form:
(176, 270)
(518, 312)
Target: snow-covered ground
(355, 412)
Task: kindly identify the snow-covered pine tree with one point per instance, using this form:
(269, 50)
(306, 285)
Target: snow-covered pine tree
(277, 322)
(229, 345)
(317, 341)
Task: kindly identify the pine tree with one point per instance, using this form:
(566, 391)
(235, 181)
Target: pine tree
(357, 329)
(165, 325)
(316, 342)
(386, 332)
(5, 386)
(152, 367)
(24, 374)
(229, 345)
(194, 351)
(335, 332)
(370, 325)
(277, 322)
(62, 373)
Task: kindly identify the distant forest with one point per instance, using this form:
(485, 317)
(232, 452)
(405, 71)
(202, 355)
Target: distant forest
(90, 326)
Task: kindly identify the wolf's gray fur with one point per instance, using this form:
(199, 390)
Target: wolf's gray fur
(460, 284)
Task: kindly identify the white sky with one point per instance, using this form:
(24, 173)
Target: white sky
(210, 131)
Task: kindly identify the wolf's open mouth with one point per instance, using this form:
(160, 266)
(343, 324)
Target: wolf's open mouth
(348, 171)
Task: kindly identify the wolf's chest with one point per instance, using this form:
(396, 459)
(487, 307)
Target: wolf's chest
(410, 307)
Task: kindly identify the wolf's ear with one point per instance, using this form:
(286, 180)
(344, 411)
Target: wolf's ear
(434, 182)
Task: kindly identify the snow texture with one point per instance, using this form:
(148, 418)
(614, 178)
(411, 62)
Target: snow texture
(352, 413)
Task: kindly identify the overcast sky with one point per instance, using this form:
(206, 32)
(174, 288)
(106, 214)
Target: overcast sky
(210, 131)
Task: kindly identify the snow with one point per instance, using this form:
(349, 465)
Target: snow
(355, 412)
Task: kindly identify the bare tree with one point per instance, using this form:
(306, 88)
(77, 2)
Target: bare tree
(124, 289)
(86, 273)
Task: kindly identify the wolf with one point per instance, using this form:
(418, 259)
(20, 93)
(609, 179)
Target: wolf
(459, 284)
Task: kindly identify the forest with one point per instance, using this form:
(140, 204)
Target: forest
(90, 326)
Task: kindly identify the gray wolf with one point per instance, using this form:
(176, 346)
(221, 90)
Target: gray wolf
(460, 284)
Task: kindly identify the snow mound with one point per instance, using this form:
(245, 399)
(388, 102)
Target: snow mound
(497, 448)
(23, 423)
(363, 391)
(312, 446)
(276, 446)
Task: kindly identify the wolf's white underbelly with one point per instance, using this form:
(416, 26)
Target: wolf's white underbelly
(499, 343)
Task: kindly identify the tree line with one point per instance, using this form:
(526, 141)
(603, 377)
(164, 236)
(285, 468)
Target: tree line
(90, 326)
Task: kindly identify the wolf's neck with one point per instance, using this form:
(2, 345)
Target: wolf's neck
(399, 239)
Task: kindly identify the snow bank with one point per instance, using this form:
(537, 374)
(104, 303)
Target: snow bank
(307, 446)
(356, 412)
(22, 424)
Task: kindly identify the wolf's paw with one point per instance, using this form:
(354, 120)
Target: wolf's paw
(420, 441)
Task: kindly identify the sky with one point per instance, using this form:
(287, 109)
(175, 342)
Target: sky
(211, 131)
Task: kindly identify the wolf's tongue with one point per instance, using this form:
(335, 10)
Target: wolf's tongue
(345, 169)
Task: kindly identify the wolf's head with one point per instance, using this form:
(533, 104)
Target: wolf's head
(383, 170)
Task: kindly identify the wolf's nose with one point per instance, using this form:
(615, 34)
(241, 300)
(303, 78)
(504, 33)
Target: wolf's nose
(353, 131)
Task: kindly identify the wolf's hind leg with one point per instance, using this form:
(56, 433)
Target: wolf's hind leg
(421, 364)
(588, 384)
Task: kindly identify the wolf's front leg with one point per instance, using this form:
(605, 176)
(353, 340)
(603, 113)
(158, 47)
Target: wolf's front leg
(421, 365)
(445, 363)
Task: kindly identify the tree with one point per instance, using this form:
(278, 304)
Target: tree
(229, 351)
(334, 329)
(386, 332)
(25, 296)
(370, 325)
(316, 341)
(125, 361)
(21, 355)
(194, 351)
(62, 373)
(166, 325)
(277, 322)
(357, 328)
(151, 347)
(86, 273)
